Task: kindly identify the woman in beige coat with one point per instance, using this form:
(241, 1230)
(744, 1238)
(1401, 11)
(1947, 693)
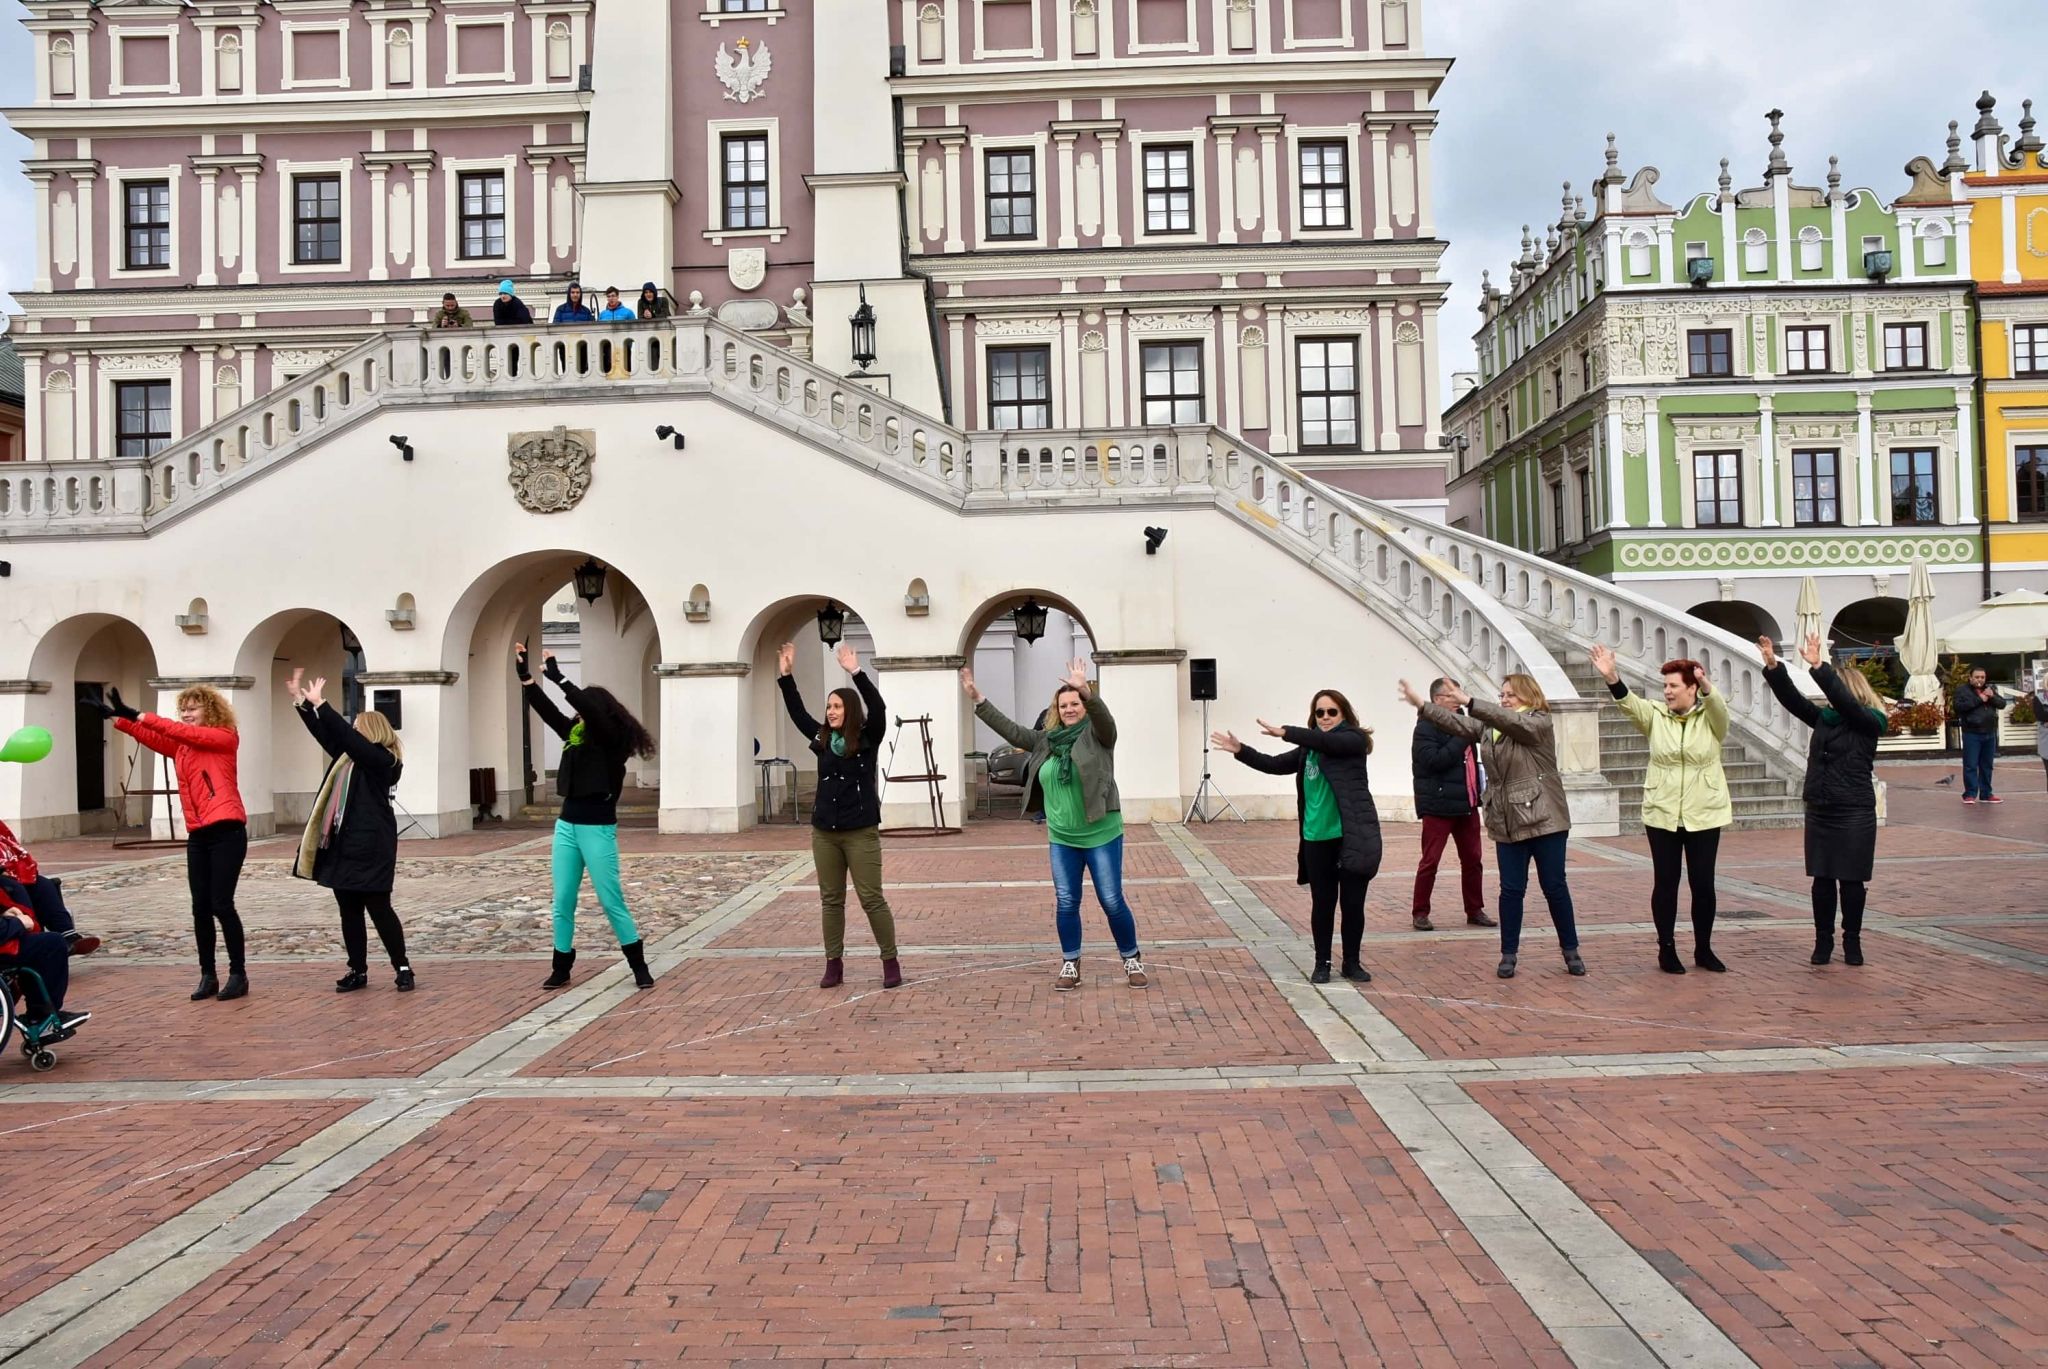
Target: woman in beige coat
(1524, 804)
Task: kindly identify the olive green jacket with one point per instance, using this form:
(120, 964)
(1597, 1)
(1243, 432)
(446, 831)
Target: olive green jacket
(1684, 786)
(1094, 756)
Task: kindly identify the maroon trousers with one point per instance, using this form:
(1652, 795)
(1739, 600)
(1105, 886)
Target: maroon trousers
(1471, 877)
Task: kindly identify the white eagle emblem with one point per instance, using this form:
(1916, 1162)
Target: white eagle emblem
(744, 75)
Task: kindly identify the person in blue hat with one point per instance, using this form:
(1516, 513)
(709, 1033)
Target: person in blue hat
(508, 308)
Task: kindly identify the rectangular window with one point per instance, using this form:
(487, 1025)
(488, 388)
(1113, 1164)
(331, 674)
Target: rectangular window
(745, 6)
(1325, 185)
(142, 422)
(1913, 494)
(316, 220)
(1170, 190)
(1019, 388)
(1557, 532)
(1586, 370)
(1172, 374)
(1328, 382)
(1585, 479)
(1717, 489)
(1557, 386)
(1710, 352)
(2030, 479)
(744, 179)
(1806, 349)
(146, 215)
(483, 214)
(1012, 195)
(1816, 488)
(1905, 346)
(2030, 349)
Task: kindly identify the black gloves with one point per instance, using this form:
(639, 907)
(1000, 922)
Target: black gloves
(552, 669)
(97, 704)
(115, 708)
(519, 664)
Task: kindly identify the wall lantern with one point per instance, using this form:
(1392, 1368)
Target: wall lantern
(863, 321)
(1029, 618)
(831, 623)
(589, 579)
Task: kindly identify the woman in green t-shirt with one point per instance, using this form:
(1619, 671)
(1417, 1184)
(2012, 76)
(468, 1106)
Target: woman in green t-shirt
(1071, 776)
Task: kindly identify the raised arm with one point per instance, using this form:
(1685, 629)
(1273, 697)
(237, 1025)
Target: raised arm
(1528, 729)
(310, 716)
(1716, 704)
(876, 725)
(168, 734)
(1855, 716)
(338, 737)
(1798, 705)
(793, 702)
(1023, 738)
(1286, 763)
(1457, 724)
(1099, 719)
(544, 708)
(1342, 741)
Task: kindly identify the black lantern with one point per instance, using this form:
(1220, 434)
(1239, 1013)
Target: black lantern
(1029, 618)
(589, 581)
(864, 333)
(831, 623)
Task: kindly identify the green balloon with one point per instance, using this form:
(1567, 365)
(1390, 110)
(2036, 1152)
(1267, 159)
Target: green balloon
(27, 746)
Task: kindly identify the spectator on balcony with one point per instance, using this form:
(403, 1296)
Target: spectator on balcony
(1841, 797)
(614, 310)
(572, 309)
(508, 308)
(1446, 773)
(452, 314)
(1977, 706)
(651, 304)
(1685, 797)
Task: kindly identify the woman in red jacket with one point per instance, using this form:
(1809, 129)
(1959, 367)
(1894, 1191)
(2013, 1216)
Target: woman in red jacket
(202, 743)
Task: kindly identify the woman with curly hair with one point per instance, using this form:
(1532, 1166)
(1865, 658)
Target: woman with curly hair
(597, 743)
(202, 743)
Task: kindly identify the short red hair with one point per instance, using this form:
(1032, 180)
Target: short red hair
(1685, 668)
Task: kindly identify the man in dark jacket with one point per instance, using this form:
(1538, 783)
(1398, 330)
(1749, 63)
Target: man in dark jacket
(1976, 707)
(1447, 801)
(572, 309)
(508, 310)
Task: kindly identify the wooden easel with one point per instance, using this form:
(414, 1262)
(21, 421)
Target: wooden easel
(931, 779)
(170, 798)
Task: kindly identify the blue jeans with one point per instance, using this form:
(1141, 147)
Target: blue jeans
(1979, 748)
(1513, 858)
(1105, 865)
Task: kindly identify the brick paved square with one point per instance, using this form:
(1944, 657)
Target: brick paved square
(2022, 936)
(85, 1179)
(292, 1025)
(1277, 1228)
(1443, 994)
(1941, 886)
(957, 1013)
(1888, 1217)
(909, 861)
(971, 916)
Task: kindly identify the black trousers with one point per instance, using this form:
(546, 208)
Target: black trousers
(356, 940)
(213, 866)
(1824, 909)
(1328, 889)
(1695, 850)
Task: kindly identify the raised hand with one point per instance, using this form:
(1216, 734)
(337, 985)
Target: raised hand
(519, 662)
(121, 709)
(1602, 656)
(1077, 675)
(1810, 652)
(1226, 741)
(291, 686)
(1457, 695)
(315, 690)
(785, 658)
(1770, 652)
(849, 659)
(1272, 729)
(1410, 695)
(967, 683)
(549, 666)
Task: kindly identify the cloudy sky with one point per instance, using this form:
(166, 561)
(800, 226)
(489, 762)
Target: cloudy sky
(1537, 88)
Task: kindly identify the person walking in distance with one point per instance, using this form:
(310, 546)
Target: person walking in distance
(203, 744)
(1446, 771)
(1840, 793)
(1685, 797)
(1339, 850)
(351, 840)
(1524, 802)
(2038, 683)
(596, 744)
(846, 815)
(1070, 775)
(1977, 706)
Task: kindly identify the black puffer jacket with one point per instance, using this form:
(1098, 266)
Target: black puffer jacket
(1439, 760)
(1842, 758)
(363, 856)
(592, 774)
(849, 797)
(1975, 713)
(1341, 754)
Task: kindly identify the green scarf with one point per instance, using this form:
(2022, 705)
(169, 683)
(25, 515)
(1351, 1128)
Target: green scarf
(1830, 718)
(838, 743)
(1060, 743)
(576, 733)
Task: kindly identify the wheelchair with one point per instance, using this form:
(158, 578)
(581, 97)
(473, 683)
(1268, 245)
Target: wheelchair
(37, 1035)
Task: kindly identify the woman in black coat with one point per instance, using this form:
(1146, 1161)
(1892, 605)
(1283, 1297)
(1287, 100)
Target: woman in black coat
(1840, 793)
(1340, 828)
(351, 840)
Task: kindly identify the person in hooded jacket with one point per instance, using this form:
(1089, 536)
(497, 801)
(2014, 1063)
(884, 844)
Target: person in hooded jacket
(508, 309)
(597, 743)
(846, 814)
(572, 309)
(1840, 791)
(1339, 851)
(351, 840)
(651, 305)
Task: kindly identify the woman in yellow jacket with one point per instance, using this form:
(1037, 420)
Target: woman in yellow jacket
(1685, 797)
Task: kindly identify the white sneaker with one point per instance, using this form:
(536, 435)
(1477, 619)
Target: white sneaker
(1069, 976)
(1134, 972)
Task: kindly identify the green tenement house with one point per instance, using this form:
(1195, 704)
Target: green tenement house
(1708, 403)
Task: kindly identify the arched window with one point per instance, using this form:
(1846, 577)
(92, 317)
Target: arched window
(63, 67)
(398, 63)
(1810, 258)
(1934, 243)
(561, 64)
(1756, 252)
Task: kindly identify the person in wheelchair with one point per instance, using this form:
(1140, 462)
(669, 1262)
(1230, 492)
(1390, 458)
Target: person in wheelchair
(23, 882)
(25, 946)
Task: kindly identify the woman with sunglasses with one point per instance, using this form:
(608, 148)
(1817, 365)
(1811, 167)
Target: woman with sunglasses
(1339, 850)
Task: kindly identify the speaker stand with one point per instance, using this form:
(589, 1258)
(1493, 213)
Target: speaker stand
(1208, 790)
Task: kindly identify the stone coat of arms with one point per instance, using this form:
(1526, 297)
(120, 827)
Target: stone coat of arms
(743, 75)
(551, 470)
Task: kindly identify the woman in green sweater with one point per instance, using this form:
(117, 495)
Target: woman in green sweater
(1070, 775)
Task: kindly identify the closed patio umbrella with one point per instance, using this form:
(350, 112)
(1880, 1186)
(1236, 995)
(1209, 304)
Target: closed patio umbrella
(1808, 611)
(1917, 649)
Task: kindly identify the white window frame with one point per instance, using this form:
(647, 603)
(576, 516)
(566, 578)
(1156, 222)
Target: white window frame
(1136, 47)
(118, 83)
(1348, 134)
(117, 218)
(293, 27)
(287, 217)
(715, 16)
(1828, 330)
(1036, 144)
(1037, 49)
(1197, 140)
(1929, 340)
(452, 170)
(1056, 377)
(714, 196)
(1289, 41)
(107, 372)
(452, 25)
(1291, 377)
(1134, 362)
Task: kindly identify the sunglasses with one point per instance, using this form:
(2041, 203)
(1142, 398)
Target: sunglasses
(1329, 713)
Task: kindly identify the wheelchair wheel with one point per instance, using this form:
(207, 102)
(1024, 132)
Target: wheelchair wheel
(42, 1060)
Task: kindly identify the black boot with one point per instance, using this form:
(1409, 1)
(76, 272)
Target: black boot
(1321, 973)
(1852, 947)
(208, 986)
(565, 961)
(636, 956)
(1667, 959)
(236, 987)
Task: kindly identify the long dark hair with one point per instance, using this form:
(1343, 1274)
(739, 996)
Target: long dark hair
(1343, 707)
(851, 721)
(607, 718)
